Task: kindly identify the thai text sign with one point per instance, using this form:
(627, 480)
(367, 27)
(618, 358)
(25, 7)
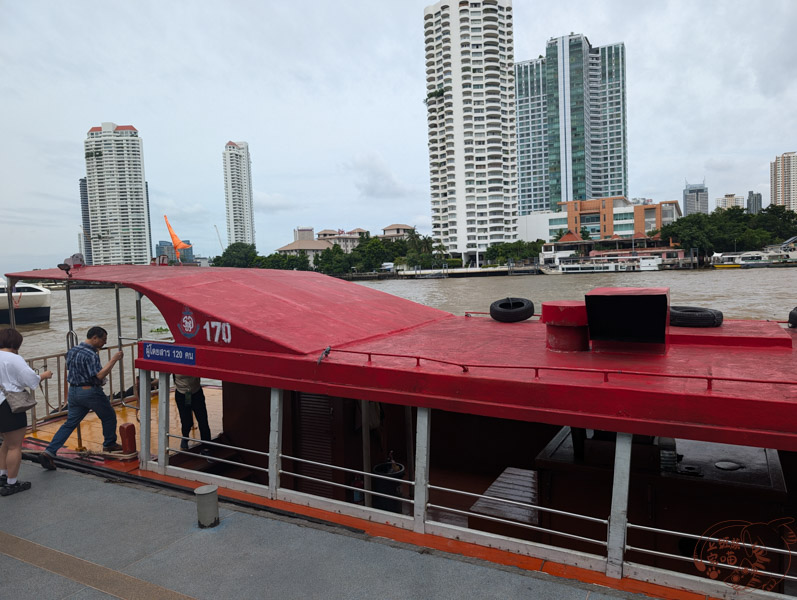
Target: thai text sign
(181, 355)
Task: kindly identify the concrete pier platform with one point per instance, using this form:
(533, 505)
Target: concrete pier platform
(79, 536)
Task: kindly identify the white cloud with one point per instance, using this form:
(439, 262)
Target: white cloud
(271, 203)
(374, 179)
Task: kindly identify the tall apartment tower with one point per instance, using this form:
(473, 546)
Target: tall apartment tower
(695, 198)
(532, 137)
(753, 202)
(783, 180)
(572, 126)
(116, 196)
(238, 193)
(471, 118)
(85, 237)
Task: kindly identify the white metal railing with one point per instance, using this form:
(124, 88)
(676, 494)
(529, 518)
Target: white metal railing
(217, 459)
(366, 477)
(52, 396)
(724, 562)
(612, 559)
(528, 526)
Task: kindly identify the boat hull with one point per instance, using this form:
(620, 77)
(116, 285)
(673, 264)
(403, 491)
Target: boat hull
(31, 304)
(26, 316)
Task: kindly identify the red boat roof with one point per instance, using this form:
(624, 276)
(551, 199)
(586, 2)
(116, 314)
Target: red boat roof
(277, 311)
(733, 384)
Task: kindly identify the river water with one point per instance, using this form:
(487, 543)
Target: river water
(738, 293)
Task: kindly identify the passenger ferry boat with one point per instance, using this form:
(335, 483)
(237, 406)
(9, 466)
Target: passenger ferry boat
(604, 264)
(598, 442)
(779, 255)
(31, 303)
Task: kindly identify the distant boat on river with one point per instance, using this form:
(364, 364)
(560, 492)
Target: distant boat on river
(31, 303)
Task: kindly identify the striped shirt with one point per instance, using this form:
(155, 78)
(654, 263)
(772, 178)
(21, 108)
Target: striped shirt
(82, 365)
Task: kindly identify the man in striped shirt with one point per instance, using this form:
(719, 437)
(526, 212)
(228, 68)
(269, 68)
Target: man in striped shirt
(86, 376)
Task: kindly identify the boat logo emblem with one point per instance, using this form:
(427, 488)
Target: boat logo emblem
(736, 552)
(187, 324)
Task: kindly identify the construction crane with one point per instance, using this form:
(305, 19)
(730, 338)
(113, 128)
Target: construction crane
(219, 236)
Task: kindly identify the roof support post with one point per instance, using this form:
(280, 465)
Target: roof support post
(139, 327)
(275, 443)
(145, 416)
(618, 519)
(163, 421)
(421, 492)
(365, 430)
(122, 387)
(12, 320)
(71, 336)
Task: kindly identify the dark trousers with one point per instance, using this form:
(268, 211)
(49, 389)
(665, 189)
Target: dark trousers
(196, 405)
(80, 403)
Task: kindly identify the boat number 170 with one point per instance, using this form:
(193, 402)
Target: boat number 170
(215, 330)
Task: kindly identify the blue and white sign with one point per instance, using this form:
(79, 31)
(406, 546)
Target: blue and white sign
(181, 355)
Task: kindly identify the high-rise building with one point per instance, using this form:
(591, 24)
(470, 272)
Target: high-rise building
(471, 118)
(783, 180)
(753, 203)
(166, 248)
(85, 237)
(238, 193)
(118, 212)
(729, 200)
(532, 137)
(571, 121)
(695, 198)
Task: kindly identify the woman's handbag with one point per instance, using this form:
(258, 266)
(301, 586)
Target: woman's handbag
(19, 401)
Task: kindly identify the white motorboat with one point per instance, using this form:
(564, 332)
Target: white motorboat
(603, 264)
(31, 303)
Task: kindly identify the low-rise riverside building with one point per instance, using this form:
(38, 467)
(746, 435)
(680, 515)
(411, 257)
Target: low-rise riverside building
(305, 240)
(602, 217)
(396, 232)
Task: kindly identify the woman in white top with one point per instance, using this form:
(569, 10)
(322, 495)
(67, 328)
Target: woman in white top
(15, 374)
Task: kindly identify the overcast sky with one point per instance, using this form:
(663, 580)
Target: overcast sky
(329, 97)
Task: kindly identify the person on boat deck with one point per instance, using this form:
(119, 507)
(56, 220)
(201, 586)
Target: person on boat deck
(190, 398)
(15, 374)
(86, 376)
(133, 389)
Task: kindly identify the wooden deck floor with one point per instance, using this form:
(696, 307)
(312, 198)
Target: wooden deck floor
(91, 427)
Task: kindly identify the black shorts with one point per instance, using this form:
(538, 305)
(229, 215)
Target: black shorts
(11, 421)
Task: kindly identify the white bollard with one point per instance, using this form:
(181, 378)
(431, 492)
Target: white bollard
(207, 505)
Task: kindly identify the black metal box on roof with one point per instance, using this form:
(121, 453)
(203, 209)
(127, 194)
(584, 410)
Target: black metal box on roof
(628, 319)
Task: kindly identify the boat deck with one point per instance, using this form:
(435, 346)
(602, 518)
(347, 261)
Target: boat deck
(91, 427)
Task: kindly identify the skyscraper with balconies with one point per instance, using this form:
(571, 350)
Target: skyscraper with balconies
(238, 193)
(85, 236)
(471, 119)
(532, 137)
(116, 196)
(571, 123)
(783, 180)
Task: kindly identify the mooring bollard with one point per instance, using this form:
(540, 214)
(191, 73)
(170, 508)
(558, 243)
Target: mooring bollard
(127, 433)
(207, 505)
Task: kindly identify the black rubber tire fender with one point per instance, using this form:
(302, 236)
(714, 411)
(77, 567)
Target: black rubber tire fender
(793, 318)
(512, 310)
(693, 316)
